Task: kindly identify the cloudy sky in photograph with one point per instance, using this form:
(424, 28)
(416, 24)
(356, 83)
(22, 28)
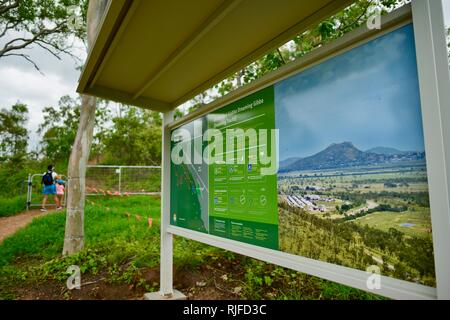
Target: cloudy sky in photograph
(368, 96)
(19, 81)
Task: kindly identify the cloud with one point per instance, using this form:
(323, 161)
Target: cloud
(446, 4)
(35, 90)
(368, 96)
(20, 81)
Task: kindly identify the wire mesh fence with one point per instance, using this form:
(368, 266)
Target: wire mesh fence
(35, 192)
(105, 179)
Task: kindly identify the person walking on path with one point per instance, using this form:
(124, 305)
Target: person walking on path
(60, 186)
(48, 180)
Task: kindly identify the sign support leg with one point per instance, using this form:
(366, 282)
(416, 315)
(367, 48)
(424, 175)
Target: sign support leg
(166, 291)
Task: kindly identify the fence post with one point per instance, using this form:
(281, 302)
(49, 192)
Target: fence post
(29, 185)
(66, 189)
(120, 179)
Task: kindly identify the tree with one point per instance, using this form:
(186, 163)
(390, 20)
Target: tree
(74, 232)
(200, 100)
(13, 134)
(25, 24)
(60, 128)
(135, 138)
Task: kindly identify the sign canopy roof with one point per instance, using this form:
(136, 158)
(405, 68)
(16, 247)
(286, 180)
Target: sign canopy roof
(157, 54)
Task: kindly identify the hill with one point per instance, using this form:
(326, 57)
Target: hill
(385, 150)
(345, 154)
(288, 161)
(307, 235)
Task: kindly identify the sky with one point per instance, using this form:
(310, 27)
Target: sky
(368, 96)
(446, 4)
(19, 81)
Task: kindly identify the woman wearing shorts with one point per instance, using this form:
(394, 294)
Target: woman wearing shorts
(48, 180)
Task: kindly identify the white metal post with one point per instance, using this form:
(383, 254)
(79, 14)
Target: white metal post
(434, 79)
(29, 191)
(65, 190)
(166, 264)
(120, 179)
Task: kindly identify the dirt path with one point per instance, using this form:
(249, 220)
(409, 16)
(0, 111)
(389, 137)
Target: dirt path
(9, 225)
(370, 204)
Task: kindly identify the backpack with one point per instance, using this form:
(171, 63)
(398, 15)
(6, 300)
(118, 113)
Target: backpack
(47, 179)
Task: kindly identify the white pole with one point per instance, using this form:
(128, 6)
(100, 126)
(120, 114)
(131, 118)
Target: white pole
(166, 265)
(120, 179)
(434, 79)
(29, 191)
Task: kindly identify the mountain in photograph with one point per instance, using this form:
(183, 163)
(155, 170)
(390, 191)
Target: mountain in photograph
(288, 162)
(345, 154)
(386, 150)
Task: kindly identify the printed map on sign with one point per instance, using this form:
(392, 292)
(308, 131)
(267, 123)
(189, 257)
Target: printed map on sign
(220, 189)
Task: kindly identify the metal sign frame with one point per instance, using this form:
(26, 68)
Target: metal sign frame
(434, 83)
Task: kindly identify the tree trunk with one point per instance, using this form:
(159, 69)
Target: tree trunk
(74, 233)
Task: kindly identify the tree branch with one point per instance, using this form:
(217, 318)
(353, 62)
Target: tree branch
(32, 18)
(5, 8)
(26, 57)
(281, 56)
(48, 50)
(9, 26)
(359, 17)
(57, 49)
(26, 42)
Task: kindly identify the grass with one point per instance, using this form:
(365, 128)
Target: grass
(120, 244)
(43, 238)
(419, 217)
(373, 182)
(12, 206)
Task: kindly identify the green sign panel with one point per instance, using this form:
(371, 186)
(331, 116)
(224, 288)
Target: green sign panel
(243, 201)
(225, 192)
